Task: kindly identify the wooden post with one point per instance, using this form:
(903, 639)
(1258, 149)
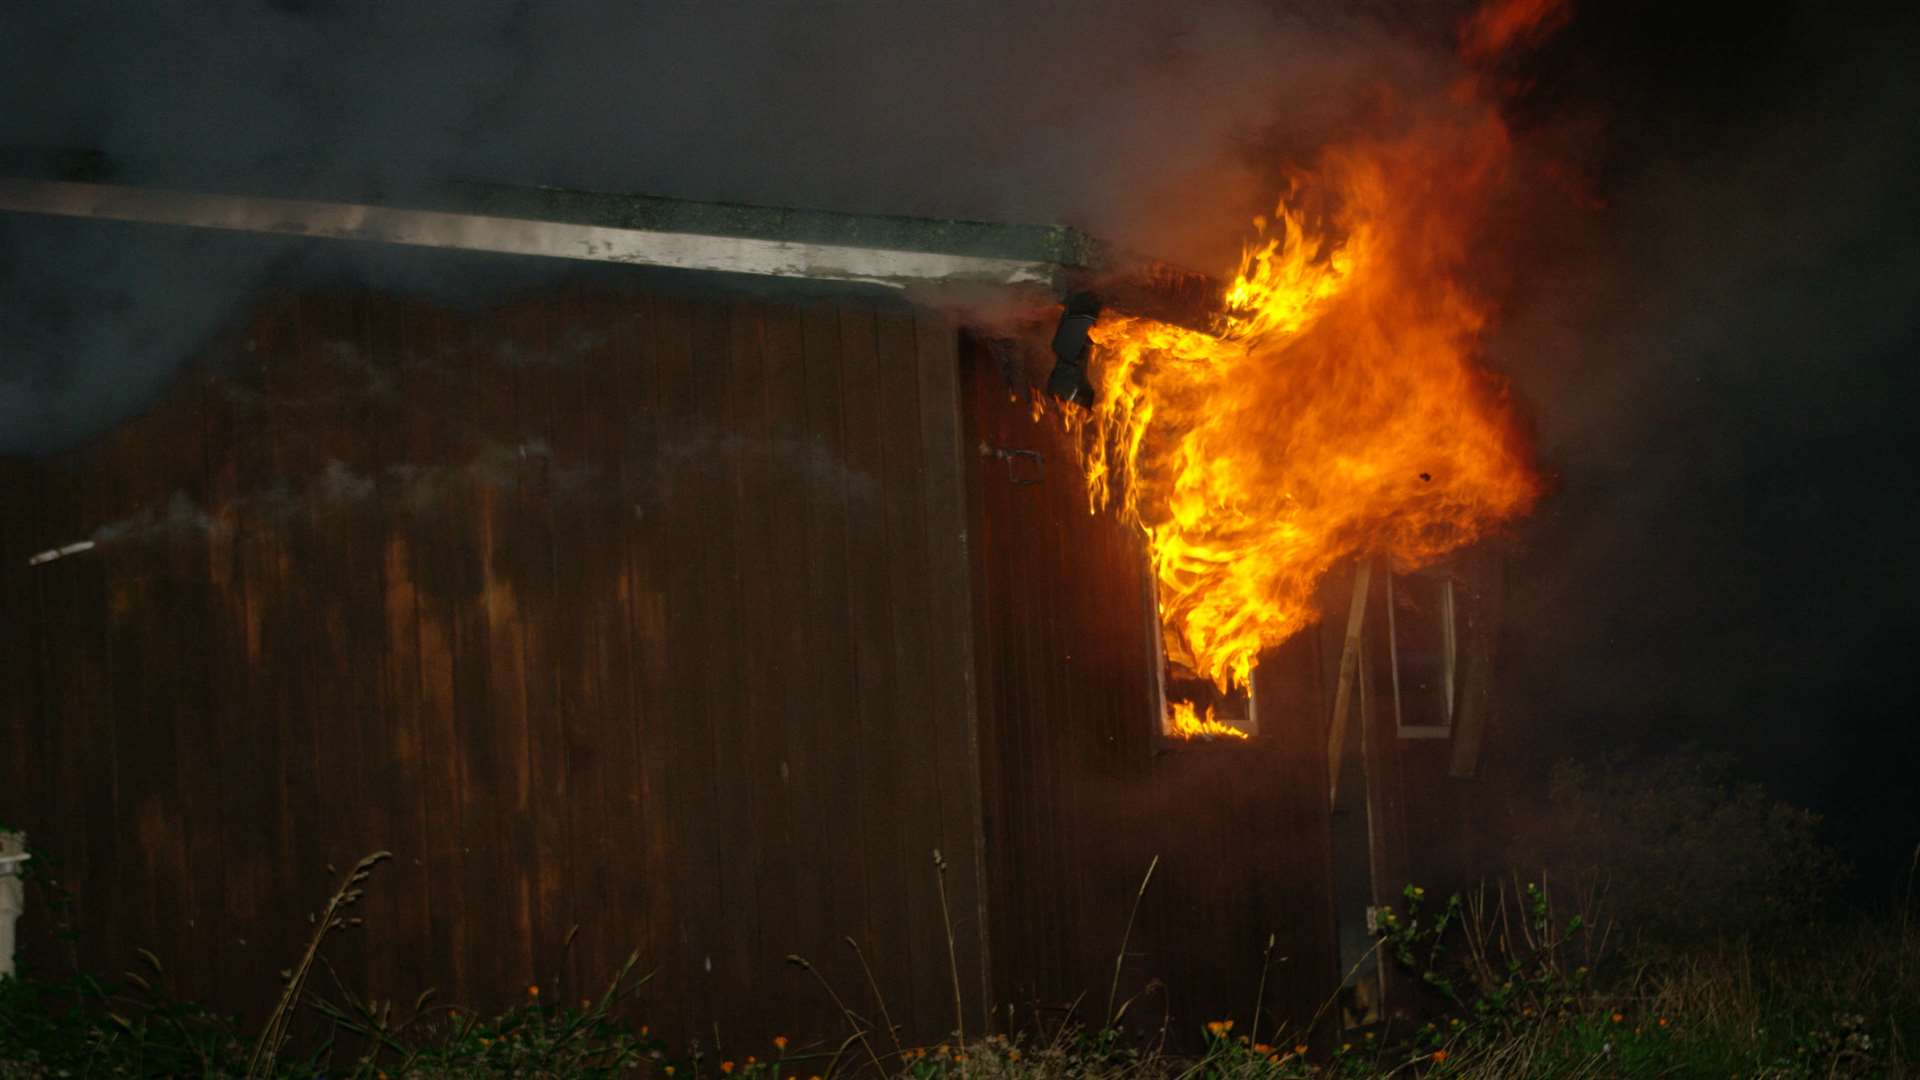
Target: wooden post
(1343, 685)
(1476, 677)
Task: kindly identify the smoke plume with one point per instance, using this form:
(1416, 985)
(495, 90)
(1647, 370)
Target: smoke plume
(1151, 125)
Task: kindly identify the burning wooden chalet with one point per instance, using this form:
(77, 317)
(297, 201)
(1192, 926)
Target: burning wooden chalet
(688, 602)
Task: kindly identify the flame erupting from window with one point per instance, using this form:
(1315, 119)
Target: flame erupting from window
(1187, 724)
(1339, 407)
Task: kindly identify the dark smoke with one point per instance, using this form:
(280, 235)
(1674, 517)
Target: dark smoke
(1722, 363)
(1129, 119)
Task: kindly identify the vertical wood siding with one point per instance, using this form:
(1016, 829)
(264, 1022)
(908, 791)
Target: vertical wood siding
(1081, 792)
(625, 621)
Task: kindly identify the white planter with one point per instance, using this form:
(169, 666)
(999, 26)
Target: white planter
(13, 854)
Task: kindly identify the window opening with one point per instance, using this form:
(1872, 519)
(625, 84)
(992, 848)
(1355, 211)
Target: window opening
(1423, 653)
(1190, 706)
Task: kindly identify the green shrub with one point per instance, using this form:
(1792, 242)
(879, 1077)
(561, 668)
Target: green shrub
(1682, 851)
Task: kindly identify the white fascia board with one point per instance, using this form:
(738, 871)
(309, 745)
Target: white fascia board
(518, 236)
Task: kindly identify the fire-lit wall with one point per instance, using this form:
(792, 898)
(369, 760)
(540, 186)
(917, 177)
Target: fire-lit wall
(678, 622)
(1082, 792)
(1257, 870)
(626, 621)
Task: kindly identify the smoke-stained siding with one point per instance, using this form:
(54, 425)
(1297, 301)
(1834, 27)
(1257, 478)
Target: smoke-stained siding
(605, 609)
(1081, 792)
(693, 621)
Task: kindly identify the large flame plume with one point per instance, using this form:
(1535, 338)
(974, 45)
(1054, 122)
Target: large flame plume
(1339, 407)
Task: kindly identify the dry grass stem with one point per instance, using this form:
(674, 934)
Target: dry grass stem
(1120, 958)
(274, 1035)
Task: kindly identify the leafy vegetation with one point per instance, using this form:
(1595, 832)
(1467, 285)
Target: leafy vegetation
(1736, 969)
(1844, 1003)
(1683, 851)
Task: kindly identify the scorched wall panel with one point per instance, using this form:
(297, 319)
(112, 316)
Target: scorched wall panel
(626, 621)
(1081, 793)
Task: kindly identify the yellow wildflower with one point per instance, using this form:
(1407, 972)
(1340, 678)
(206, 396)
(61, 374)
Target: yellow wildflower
(533, 990)
(726, 1067)
(779, 1042)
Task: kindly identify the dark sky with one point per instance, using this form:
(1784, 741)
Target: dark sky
(1713, 326)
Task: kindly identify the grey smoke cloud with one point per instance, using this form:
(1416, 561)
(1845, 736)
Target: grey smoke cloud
(1153, 125)
(95, 319)
(1721, 363)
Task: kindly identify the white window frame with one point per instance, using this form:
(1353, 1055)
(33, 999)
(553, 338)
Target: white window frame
(1450, 662)
(1163, 708)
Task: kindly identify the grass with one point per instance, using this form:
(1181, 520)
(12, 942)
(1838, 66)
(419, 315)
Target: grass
(1505, 982)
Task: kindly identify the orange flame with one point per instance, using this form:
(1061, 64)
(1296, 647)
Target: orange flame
(1187, 724)
(1337, 409)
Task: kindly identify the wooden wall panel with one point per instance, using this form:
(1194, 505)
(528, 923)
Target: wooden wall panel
(841, 872)
(243, 564)
(952, 692)
(906, 719)
(869, 621)
(728, 346)
(695, 680)
(435, 392)
(788, 758)
(396, 751)
(20, 688)
(77, 778)
(642, 891)
(1080, 792)
(589, 645)
(644, 613)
